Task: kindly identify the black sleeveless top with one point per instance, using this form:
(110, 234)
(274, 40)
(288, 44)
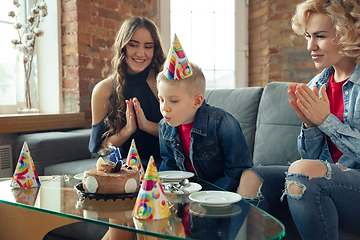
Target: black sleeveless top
(146, 144)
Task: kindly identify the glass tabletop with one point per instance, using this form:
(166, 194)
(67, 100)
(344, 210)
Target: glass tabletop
(190, 219)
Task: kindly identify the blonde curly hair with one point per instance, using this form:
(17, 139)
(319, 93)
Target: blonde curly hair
(345, 17)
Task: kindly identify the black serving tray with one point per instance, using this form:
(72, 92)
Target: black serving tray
(81, 191)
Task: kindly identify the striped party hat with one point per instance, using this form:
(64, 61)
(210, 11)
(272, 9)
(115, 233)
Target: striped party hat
(151, 202)
(177, 65)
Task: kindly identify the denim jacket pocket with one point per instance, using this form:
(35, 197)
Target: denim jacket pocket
(206, 155)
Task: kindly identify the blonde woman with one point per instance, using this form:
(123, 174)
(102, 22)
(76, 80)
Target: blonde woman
(323, 189)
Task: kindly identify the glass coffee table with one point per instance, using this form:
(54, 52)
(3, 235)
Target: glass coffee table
(57, 202)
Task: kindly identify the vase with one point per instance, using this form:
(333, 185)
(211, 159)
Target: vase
(27, 97)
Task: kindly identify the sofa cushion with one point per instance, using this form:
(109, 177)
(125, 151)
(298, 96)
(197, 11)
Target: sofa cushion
(242, 103)
(49, 148)
(277, 128)
(70, 168)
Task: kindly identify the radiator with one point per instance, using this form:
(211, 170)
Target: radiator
(6, 164)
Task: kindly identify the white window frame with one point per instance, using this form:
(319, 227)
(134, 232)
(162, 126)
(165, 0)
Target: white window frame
(50, 61)
(241, 35)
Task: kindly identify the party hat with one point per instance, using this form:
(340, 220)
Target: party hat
(153, 225)
(133, 159)
(25, 175)
(177, 65)
(162, 226)
(151, 202)
(25, 196)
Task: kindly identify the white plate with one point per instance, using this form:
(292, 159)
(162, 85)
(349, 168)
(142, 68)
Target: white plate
(206, 211)
(44, 178)
(193, 187)
(79, 176)
(174, 175)
(215, 198)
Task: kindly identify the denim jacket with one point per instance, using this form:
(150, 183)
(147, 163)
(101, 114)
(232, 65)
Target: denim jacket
(345, 135)
(218, 149)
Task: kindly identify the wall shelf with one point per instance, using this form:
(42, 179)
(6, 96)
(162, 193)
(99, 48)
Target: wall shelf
(13, 123)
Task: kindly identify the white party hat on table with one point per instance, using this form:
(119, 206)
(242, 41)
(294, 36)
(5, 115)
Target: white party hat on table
(25, 175)
(25, 196)
(151, 202)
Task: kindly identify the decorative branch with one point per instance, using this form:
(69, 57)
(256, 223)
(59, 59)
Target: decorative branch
(25, 44)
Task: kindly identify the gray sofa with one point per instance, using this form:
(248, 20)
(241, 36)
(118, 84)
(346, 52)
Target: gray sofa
(268, 122)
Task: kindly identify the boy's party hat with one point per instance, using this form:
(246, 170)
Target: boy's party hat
(133, 159)
(177, 65)
(25, 175)
(151, 201)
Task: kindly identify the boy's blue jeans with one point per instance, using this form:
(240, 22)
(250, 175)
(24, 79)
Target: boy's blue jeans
(325, 203)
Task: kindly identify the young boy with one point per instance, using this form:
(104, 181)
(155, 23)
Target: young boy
(193, 135)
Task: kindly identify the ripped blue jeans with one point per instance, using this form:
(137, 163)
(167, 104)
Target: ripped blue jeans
(325, 203)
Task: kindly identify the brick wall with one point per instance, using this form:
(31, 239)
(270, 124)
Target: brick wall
(89, 28)
(276, 52)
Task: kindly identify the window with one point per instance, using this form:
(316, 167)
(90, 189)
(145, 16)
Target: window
(214, 36)
(8, 58)
(48, 52)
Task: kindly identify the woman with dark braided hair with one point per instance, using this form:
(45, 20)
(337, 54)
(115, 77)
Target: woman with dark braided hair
(117, 115)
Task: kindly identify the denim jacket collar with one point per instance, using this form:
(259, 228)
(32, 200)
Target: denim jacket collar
(200, 124)
(355, 76)
(324, 76)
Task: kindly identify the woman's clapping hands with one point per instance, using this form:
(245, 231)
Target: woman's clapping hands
(309, 107)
